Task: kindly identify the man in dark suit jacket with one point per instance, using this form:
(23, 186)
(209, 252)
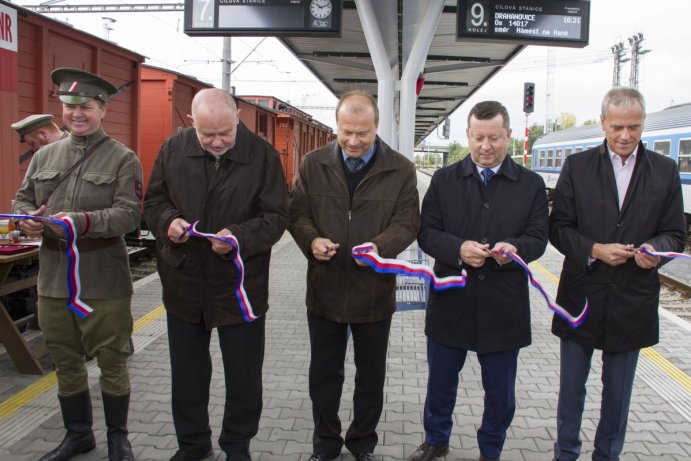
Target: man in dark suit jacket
(470, 223)
(608, 201)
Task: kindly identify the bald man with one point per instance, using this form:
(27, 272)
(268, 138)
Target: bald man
(229, 180)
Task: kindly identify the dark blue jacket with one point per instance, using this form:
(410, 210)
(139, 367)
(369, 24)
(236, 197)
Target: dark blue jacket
(492, 312)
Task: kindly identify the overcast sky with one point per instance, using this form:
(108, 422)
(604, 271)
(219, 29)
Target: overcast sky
(581, 75)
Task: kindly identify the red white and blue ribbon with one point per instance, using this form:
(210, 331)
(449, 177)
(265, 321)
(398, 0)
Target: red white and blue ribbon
(74, 286)
(664, 254)
(571, 320)
(245, 306)
(401, 267)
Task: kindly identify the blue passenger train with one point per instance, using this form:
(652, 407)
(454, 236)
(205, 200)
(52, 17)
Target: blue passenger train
(667, 132)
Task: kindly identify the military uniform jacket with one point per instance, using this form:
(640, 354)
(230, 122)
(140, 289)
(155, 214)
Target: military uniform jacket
(623, 299)
(246, 194)
(103, 196)
(492, 312)
(384, 210)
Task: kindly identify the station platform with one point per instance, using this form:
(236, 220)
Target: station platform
(659, 423)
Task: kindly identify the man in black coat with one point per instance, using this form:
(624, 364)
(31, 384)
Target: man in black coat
(474, 213)
(229, 180)
(609, 201)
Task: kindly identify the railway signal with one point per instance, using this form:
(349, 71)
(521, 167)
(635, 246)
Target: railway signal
(528, 97)
(528, 108)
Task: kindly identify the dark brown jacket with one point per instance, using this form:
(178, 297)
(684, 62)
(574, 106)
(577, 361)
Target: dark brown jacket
(384, 210)
(247, 195)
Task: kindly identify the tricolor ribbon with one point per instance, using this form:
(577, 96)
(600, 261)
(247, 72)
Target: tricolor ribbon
(572, 321)
(245, 306)
(74, 286)
(401, 267)
(664, 254)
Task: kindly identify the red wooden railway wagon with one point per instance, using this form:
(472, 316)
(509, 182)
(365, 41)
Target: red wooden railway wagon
(297, 133)
(31, 46)
(257, 119)
(166, 102)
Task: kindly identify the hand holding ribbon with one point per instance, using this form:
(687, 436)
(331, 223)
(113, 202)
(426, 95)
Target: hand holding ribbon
(74, 286)
(245, 306)
(32, 228)
(363, 254)
(572, 321)
(663, 254)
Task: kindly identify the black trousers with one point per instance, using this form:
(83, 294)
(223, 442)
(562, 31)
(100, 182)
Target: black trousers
(328, 342)
(242, 348)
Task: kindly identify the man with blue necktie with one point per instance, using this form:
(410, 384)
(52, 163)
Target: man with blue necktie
(352, 191)
(474, 213)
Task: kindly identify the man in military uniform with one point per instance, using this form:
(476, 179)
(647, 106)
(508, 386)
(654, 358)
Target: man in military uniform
(97, 182)
(38, 130)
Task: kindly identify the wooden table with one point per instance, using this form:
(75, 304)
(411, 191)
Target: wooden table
(10, 335)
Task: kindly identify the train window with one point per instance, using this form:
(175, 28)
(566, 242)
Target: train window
(579, 149)
(557, 158)
(568, 151)
(662, 147)
(685, 156)
(550, 160)
(261, 124)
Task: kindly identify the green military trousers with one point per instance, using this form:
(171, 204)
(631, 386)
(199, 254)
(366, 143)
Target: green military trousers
(103, 334)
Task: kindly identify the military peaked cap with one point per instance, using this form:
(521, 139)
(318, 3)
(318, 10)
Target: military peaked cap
(31, 123)
(78, 86)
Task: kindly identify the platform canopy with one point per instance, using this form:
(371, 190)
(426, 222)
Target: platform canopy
(392, 34)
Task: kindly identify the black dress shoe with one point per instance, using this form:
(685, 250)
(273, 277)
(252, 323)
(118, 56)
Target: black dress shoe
(183, 456)
(238, 457)
(366, 457)
(320, 457)
(485, 458)
(427, 452)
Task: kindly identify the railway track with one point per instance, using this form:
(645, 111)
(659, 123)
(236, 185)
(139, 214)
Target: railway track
(142, 262)
(675, 297)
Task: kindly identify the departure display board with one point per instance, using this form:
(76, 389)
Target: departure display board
(263, 17)
(530, 22)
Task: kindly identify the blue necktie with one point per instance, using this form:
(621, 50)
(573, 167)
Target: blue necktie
(487, 173)
(354, 164)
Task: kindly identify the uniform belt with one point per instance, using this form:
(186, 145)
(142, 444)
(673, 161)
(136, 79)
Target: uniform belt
(82, 244)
